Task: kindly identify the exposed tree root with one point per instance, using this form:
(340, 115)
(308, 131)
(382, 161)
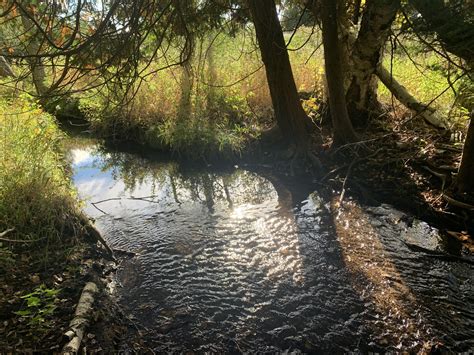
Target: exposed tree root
(306, 155)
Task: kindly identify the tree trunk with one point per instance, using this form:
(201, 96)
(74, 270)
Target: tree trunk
(35, 63)
(187, 83)
(401, 93)
(356, 14)
(289, 113)
(342, 126)
(465, 179)
(5, 68)
(366, 56)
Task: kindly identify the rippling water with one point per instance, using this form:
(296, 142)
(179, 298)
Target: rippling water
(233, 261)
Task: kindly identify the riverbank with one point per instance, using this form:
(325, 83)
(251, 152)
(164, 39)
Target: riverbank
(46, 251)
(39, 295)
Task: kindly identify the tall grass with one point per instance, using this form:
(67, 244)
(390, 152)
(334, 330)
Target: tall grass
(36, 195)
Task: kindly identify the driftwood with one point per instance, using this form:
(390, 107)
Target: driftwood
(81, 319)
(429, 114)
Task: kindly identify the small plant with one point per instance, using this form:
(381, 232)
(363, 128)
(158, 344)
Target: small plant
(40, 305)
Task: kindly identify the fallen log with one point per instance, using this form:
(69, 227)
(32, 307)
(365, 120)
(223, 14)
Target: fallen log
(93, 232)
(429, 114)
(81, 319)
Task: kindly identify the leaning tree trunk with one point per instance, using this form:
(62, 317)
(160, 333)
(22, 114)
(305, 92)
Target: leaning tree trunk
(465, 178)
(366, 56)
(289, 113)
(342, 126)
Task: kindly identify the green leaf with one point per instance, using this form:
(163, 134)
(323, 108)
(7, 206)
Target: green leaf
(23, 313)
(34, 301)
(51, 292)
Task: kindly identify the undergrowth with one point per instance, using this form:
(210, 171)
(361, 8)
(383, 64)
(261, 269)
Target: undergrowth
(37, 199)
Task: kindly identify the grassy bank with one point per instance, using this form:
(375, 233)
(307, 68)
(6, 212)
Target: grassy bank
(215, 107)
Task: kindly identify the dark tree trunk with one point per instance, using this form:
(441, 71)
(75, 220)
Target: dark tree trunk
(366, 55)
(342, 126)
(289, 113)
(465, 179)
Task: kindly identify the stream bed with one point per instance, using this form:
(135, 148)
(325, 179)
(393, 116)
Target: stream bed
(236, 261)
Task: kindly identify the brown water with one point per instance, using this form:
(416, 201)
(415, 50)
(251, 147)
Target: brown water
(235, 261)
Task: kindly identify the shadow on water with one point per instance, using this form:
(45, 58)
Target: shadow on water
(235, 260)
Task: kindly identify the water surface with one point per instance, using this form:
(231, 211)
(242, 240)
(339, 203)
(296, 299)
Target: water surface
(238, 261)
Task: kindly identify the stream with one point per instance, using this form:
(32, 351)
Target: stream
(233, 261)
